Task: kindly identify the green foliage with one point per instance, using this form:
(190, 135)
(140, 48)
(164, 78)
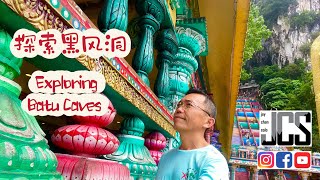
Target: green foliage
(245, 76)
(305, 48)
(289, 88)
(257, 31)
(293, 71)
(273, 85)
(263, 73)
(306, 18)
(272, 9)
(275, 99)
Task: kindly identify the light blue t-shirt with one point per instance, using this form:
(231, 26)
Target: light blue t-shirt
(205, 163)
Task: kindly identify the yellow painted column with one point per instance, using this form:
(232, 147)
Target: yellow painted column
(315, 62)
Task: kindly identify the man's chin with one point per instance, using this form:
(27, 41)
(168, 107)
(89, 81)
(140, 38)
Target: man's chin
(177, 127)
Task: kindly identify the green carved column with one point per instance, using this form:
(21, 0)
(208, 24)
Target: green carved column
(167, 46)
(114, 14)
(191, 44)
(132, 152)
(24, 151)
(152, 13)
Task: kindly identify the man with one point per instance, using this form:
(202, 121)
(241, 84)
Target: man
(195, 159)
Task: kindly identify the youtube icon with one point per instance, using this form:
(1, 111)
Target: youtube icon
(302, 159)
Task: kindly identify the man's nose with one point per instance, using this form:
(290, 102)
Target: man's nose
(179, 109)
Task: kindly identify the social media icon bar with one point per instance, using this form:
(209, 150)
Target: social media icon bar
(284, 159)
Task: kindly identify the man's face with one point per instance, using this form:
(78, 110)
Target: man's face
(191, 114)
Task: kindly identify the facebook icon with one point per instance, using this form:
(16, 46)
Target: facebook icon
(284, 160)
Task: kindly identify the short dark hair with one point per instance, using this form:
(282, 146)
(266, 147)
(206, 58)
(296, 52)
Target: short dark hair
(210, 106)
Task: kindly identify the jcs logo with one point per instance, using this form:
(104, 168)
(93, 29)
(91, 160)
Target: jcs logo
(285, 128)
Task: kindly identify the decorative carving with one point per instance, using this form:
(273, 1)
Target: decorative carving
(38, 14)
(121, 85)
(132, 151)
(155, 142)
(133, 29)
(100, 121)
(191, 39)
(9, 64)
(167, 41)
(85, 140)
(88, 139)
(167, 45)
(50, 19)
(76, 167)
(152, 14)
(132, 126)
(142, 61)
(184, 63)
(155, 8)
(114, 14)
(24, 151)
(185, 60)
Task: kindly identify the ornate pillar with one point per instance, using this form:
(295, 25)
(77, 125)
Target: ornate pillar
(191, 44)
(254, 173)
(304, 175)
(24, 151)
(132, 151)
(86, 141)
(152, 13)
(167, 46)
(155, 142)
(87, 138)
(233, 168)
(114, 14)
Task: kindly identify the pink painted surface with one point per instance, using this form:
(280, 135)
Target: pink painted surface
(98, 121)
(85, 140)
(241, 176)
(76, 167)
(255, 133)
(155, 141)
(156, 155)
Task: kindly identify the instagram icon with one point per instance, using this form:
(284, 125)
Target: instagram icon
(265, 160)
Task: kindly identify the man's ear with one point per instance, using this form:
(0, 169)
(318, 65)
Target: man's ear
(210, 122)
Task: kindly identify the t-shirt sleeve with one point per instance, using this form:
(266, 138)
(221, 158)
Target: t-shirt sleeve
(214, 169)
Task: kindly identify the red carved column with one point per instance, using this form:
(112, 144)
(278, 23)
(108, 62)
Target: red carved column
(155, 142)
(85, 141)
